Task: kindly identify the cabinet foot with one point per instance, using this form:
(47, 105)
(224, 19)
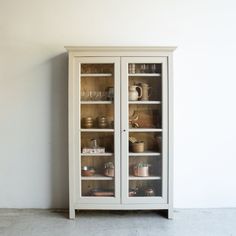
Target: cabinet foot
(72, 214)
(170, 214)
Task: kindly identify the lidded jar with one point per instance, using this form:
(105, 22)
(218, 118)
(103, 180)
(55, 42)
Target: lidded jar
(87, 122)
(102, 122)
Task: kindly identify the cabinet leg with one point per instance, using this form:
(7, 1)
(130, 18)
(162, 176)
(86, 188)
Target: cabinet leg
(167, 213)
(72, 213)
(170, 214)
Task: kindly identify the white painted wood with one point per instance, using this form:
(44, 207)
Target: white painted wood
(144, 130)
(97, 130)
(76, 51)
(79, 196)
(144, 178)
(120, 53)
(125, 143)
(77, 140)
(121, 56)
(71, 139)
(170, 137)
(96, 102)
(145, 75)
(115, 49)
(146, 153)
(104, 206)
(106, 154)
(96, 177)
(117, 112)
(97, 75)
(124, 131)
(165, 115)
(144, 102)
(96, 201)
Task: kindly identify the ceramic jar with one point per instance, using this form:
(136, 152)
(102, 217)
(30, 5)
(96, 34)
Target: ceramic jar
(145, 92)
(102, 122)
(87, 122)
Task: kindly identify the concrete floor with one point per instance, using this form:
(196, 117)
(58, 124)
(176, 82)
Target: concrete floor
(202, 222)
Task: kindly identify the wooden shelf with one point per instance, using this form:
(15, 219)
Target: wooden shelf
(106, 154)
(97, 75)
(146, 153)
(96, 177)
(96, 102)
(145, 75)
(145, 130)
(97, 130)
(131, 177)
(145, 102)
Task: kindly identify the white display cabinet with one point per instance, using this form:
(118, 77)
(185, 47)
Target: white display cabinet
(120, 128)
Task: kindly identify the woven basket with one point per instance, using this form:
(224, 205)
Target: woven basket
(138, 146)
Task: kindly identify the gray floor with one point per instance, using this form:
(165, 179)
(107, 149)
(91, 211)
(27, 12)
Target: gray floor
(187, 222)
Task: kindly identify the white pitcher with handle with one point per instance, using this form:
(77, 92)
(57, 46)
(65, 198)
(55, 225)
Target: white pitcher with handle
(134, 95)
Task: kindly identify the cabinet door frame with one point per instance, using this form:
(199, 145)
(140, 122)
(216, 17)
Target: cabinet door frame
(75, 142)
(125, 131)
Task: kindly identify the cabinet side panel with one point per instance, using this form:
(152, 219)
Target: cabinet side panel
(171, 135)
(71, 137)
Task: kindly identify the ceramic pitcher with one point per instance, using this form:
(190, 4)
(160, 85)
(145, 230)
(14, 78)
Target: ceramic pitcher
(134, 95)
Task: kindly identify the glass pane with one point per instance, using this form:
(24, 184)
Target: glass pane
(144, 68)
(148, 84)
(145, 129)
(144, 188)
(97, 188)
(97, 116)
(97, 130)
(145, 116)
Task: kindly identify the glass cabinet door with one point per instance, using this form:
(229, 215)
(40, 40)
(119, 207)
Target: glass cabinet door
(144, 129)
(99, 130)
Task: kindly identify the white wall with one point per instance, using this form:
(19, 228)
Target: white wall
(33, 91)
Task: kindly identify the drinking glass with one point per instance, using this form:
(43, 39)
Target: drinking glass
(104, 95)
(99, 96)
(153, 68)
(83, 95)
(147, 68)
(143, 68)
(92, 95)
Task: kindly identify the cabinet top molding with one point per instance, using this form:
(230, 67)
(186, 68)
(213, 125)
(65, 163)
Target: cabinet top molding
(120, 48)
